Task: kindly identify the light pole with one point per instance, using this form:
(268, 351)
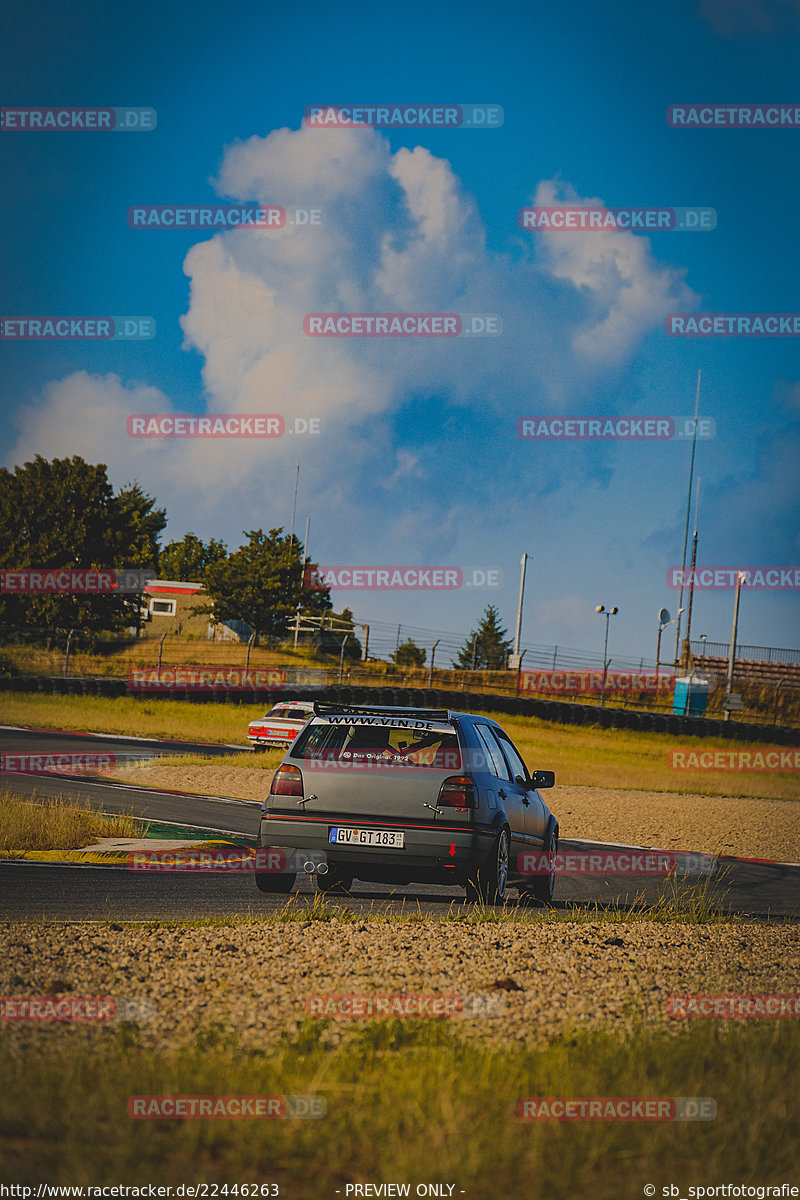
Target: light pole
(741, 577)
(523, 562)
(608, 614)
(686, 528)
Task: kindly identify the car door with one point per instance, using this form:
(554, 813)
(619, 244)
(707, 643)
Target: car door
(511, 797)
(535, 819)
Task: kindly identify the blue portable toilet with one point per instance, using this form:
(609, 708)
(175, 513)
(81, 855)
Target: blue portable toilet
(691, 696)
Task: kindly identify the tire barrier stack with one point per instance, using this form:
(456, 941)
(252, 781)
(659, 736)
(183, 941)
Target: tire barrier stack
(558, 711)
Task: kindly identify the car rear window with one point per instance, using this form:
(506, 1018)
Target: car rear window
(384, 745)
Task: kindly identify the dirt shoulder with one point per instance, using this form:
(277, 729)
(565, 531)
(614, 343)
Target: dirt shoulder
(261, 980)
(742, 827)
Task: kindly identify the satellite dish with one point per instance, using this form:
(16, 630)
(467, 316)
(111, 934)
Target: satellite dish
(664, 617)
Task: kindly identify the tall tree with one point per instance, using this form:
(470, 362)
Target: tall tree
(487, 648)
(64, 514)
(190, 558)
(139, 527)
(261, 583)
(409, 654)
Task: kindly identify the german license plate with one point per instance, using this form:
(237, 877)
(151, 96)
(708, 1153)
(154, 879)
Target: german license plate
(388, 838)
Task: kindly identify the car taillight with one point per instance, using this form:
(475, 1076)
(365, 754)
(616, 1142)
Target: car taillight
(458, 792)
(287, 781)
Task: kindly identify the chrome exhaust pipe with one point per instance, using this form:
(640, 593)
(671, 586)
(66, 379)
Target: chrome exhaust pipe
(310, 867)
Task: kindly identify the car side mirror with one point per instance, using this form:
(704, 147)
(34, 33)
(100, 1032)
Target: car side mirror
(543, 779)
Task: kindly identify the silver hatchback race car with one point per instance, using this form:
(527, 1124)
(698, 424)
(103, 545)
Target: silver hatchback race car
(402, 795)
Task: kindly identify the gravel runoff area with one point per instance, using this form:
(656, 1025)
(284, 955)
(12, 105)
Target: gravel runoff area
(736, 826)
(255, 980)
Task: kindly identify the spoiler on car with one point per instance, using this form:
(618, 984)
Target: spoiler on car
(321, 709)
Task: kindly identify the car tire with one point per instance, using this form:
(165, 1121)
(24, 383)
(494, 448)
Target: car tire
(489, 883)
(333, 883)
(274, 881)
(543, 886)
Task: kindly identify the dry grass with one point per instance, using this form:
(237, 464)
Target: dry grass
(36, 660)
(176, 720)
(56, 823)
(407, 1102)
(619, 758)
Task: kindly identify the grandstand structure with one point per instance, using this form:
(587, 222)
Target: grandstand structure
(765, 665)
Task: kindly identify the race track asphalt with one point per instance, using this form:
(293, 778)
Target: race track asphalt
(758, 890)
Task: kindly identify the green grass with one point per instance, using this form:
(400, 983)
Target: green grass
(176, 720)
(579, 755)
(406, 1102)
(619, 758)
(30, 823)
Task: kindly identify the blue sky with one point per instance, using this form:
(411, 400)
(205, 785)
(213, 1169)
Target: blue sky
(418, 460)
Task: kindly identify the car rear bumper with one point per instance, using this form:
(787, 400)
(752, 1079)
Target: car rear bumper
(456, 851)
